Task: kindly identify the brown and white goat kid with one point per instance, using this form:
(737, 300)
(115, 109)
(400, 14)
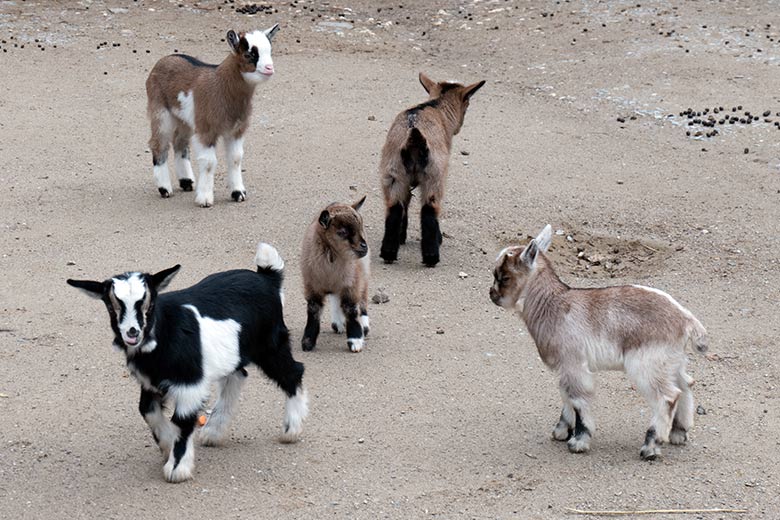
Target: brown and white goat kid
(335, 263)
(640, 330)
(417, 153)
(189, 100)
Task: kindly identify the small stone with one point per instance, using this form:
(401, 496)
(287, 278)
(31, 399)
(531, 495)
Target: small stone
(700, 410)
(380, 297)
(747, 150)
(361, 440)
(439, 330)
(353, 187)
(462, 275)
(71, 262)
(464, 152)
(372, 118)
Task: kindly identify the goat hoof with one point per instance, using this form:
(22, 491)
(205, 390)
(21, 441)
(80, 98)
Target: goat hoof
(388, 256)
(307, 344)
(164, 193)
(562, 432)
(579, 444)
(238, 195)
(337, 328)
(185, 184)
(678, 436)
(650, 452)
(431, 260)
(355, 344)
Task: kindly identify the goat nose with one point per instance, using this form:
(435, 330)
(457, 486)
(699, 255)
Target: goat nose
(132, 332)
(269, 68)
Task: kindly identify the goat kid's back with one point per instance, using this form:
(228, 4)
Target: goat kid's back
(416, 153)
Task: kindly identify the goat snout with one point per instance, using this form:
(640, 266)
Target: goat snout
(267, 69)
(362, 249)
(131, 336)
(495, 297)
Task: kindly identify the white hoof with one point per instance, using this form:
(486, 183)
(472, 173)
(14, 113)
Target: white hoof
(180, 473)
(355, 344)
(678, 437)
(579, 444)
(211, 436)
(296, 410)
(204, 200)
(561, 432)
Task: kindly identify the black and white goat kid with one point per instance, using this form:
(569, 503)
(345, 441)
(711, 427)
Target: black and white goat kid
(178, 343)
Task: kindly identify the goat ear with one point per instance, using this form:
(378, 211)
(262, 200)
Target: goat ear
(544, 239)
(233, 39)
(359, 204)
(528, 256)
(89, 287)
(161, 280)
(427, 83)
(325, 219)
(472, 89)
(269, 33)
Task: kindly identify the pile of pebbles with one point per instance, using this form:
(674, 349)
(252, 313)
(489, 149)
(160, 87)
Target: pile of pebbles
(13, 43)
(254, 8)
(704, 122)
(712, 117)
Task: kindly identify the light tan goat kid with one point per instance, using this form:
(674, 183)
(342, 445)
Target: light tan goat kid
(640, 330)
(335, 263)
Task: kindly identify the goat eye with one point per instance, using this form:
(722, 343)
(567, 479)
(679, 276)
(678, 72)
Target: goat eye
(342, 232)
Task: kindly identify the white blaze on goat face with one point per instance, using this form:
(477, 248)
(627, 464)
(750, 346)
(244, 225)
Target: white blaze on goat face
(126, 293)
(265, 65)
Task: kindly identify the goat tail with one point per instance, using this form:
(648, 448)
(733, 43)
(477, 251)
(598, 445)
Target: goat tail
(697, 336)
(415, 153)
(268, 259)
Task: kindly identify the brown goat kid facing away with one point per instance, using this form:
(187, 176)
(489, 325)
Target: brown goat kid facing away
(335, 263)
(640, 330)
(189, 100)
(417, 153)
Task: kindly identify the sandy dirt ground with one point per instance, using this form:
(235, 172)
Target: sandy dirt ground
(448, 411)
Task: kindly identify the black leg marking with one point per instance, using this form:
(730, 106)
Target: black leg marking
(312, 330)
(238, 195)
(146, 405)
(164, 193)
(185, 184)
(391, 240)
(404, 224)
(354, 328)
(579, 428)
(431, 236)
(650, 450)
(186, 427)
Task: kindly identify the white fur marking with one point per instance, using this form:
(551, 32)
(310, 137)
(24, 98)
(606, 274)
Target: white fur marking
(129, 291)
(365, 323)
(228, 392)
(355, 344)
(295, 411)
(260, 40)
(183, 471)
(268, 257)
(234, 153)
(207, 163)
(186, 110)
(220, 351)
(337, 317)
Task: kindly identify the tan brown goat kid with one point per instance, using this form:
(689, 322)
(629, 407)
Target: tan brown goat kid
(417, 153)
(335, 263)
(640, 330)
(189, 100)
